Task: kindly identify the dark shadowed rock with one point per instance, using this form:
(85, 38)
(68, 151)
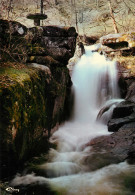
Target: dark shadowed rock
(124, 113)
(106, 111)
(20, 43)
(90, 40)
(123, 109)
(58, 42)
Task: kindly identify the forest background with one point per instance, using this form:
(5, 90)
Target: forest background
(90, 17)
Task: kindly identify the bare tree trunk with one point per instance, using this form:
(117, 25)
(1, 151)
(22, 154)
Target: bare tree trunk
(76, 17)
(41, 6)
(112, 16)
(9, 7)
(76, 21)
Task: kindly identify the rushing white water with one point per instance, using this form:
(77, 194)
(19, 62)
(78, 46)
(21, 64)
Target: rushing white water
(106, 181)
(94, 82)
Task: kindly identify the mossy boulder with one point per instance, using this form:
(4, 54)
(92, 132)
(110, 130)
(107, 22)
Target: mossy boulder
(34, 97)
(58, 42)
(32, 103)
(19, 43)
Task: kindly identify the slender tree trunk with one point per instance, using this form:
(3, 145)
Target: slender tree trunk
(112, 16)
(41, 6)
(9, 7)
(76, 17)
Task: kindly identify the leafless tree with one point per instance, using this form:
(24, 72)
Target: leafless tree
(10, 7)
(112, 16)
(41, 6)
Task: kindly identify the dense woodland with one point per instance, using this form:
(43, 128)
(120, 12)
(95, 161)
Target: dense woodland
(91, 17)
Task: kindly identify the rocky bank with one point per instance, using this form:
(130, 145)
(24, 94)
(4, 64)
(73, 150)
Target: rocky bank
(35, 88)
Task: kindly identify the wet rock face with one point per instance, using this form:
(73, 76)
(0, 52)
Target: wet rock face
(123, 114)
(116, 147)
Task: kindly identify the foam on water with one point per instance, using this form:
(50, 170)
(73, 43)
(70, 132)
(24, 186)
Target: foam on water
(109, 180)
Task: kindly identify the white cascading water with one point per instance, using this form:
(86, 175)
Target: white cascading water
(94, 82)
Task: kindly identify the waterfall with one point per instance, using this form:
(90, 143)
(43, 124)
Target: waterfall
(67, 170)
(94, 82)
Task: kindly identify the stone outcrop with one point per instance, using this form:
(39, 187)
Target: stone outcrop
(59, 43)
(34, 96)
(24, 44)
(123, 114)
(118, 44)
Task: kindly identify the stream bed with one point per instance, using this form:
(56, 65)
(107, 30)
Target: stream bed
(73, 168)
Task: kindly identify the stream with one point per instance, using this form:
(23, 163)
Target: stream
(70, 169)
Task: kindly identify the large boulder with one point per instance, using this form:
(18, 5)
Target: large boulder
(34, 96)
(20, 43)
(124, 113)
(58, 42)
(33, 102)
(113, 148)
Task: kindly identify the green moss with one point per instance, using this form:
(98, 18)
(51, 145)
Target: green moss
(36, 49)
(23, 107)
(32, 103)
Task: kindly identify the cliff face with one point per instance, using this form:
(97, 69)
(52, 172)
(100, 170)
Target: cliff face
(34, 97)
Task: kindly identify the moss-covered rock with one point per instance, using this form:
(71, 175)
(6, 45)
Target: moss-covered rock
(33, 98)
(18, 43)
(32, 103)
